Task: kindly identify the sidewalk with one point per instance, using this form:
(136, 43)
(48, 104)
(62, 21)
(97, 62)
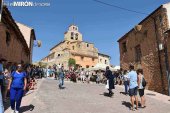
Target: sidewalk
(27, 99)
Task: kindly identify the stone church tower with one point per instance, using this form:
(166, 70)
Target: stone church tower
(73, 34)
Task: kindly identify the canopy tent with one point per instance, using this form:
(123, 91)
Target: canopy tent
(117, 67)
(100, 66)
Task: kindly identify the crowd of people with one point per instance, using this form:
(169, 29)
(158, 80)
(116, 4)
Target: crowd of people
(15, 79)
(133, 81)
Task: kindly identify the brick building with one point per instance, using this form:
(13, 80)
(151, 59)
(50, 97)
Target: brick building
(143, 46)
(13, 46)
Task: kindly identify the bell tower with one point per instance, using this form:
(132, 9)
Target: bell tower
(73, 34)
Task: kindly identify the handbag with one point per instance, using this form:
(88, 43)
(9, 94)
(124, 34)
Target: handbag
(144, 82)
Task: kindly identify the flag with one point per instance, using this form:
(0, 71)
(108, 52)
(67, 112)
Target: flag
(1, 8)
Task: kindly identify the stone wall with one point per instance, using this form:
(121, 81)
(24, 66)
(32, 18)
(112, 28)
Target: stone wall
(152, 60)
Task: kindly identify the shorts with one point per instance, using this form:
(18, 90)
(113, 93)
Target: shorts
(141, 92)
(133, 91)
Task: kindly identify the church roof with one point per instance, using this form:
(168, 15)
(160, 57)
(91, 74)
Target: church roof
(57, 45)
(104, 55)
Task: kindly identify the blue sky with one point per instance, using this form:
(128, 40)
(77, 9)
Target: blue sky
(103, 25)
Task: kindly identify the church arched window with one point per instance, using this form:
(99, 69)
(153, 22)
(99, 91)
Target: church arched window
(72, 35)
(77, 36)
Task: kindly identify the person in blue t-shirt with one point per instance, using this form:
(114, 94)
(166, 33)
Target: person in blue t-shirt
(17, 85)
(1, 75)
(133, 86)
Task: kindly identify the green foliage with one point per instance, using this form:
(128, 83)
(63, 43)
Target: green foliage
(41, 64)
(71, 62)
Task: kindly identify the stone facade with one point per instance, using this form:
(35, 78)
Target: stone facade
(73, 46)
(144, 48)
(13, 46)
(104, 59)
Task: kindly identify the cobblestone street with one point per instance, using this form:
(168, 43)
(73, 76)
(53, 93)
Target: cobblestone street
(87, 98)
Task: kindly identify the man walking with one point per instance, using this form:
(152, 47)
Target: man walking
(61, 77)
(110, 78)
(133, 87)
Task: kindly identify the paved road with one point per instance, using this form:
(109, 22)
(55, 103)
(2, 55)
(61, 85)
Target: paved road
(87, 98)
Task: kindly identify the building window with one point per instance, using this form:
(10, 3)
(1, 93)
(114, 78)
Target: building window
(105, 61)
(77, 36)
(87, 45)
(160, 19)
(146, 33)
(138, 53)
(82, 58)
(87, 66)
(8, 38)
(73, 47)
(100, 60)
(72, 35)
(124, 48)
(93, 59)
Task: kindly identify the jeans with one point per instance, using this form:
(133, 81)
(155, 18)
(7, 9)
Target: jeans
(61, 81)
(1, 103)
(16, 95)
(126, 86)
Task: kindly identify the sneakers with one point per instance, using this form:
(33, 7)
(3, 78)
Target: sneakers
(13, 111)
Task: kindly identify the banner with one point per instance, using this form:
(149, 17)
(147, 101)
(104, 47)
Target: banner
(1, 6)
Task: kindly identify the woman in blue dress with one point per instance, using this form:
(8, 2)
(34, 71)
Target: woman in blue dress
(17, 86)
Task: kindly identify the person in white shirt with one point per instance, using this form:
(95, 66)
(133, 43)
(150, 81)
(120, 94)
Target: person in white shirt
(82, 75)
(126, 82)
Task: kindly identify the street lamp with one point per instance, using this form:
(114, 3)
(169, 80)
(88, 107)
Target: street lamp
(38, 43)
(138, 28)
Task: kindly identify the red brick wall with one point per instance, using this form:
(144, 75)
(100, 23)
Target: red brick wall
(150, 62)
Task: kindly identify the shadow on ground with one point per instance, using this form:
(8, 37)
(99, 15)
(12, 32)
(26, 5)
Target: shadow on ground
(27, 108)
(127, 104)
(150, 94)
(62, 87)
(107, 94)
(123, 93)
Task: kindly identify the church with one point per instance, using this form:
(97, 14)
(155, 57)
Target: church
(85, 54)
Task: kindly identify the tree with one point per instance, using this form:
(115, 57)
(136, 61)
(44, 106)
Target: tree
(71, 62)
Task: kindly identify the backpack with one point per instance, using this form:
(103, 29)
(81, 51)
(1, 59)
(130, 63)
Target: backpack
(144, 82)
